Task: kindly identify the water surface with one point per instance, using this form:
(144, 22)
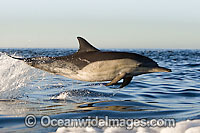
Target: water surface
(26, 90)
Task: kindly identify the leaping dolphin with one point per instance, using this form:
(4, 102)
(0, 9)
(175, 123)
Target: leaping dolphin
(91, 64)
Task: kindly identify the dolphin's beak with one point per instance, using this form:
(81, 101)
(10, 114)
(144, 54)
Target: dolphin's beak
(160, 69)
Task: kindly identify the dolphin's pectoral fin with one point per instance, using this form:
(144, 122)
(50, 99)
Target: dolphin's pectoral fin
(126, 81)
(116, 79)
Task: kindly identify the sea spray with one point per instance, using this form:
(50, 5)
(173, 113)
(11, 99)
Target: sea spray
(14, 76)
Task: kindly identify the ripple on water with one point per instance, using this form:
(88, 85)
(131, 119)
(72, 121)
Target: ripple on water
(155, 95)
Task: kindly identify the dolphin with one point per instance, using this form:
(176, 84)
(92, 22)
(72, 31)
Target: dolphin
(91, 64)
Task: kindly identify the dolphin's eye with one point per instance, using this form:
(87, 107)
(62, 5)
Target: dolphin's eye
(140, 65)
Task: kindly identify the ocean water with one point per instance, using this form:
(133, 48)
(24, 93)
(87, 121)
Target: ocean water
(26, 90)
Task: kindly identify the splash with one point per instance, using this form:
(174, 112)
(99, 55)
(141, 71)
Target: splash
(14, 75)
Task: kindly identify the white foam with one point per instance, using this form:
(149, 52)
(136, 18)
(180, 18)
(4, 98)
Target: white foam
(78, 130)
(14, 75)
(189, 126)
(184, 127)
(61, 96)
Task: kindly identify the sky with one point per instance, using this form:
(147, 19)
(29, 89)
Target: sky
(125, 24)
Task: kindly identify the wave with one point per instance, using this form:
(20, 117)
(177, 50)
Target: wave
(188, 126)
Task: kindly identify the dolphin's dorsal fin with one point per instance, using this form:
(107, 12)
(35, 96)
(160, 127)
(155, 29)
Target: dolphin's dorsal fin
(85, 46)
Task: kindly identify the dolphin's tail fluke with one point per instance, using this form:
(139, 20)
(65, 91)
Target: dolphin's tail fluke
(37, 62)
(27, 60)
(15, 57)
